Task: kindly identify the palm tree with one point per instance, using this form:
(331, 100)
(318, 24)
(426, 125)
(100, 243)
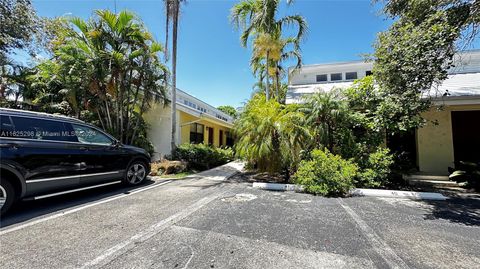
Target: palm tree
(280, 50)
(109, 66)
(270, 134)
(172, 10)
(267, 47)
(257, 19)
(326, 113)
(259, 16)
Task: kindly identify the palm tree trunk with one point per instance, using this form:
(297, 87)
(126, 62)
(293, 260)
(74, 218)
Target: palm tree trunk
(142, 109)
(108, 116)
(100, 119)
(277, 80)
(174, 73)
(267, 85)
(167, 28)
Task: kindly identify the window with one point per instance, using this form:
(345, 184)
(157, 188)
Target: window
(220, 140)
(89, 135)
(350, 75)
(336, 76)
(368, 73)
(196, 133)
(229, 136)
(6, 127)
(321, 78)
(41, 129)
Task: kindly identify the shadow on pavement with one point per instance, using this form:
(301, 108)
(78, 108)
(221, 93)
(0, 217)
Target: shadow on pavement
(27, 210)
(464, 211)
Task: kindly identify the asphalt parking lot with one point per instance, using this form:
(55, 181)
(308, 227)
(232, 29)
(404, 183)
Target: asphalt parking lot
(205, 223)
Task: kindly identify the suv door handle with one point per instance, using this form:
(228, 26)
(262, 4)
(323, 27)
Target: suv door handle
(9, 145)
(83, 148)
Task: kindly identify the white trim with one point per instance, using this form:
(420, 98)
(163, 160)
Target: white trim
(75, 176)
(55, 141)
(75, 190)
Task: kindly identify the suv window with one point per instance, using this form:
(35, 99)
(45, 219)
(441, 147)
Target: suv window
(6, 127)
(40, 129)
(89, 135)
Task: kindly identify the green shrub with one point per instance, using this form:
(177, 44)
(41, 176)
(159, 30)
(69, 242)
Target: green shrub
(326, 174)
(375, 170)
(201, 156)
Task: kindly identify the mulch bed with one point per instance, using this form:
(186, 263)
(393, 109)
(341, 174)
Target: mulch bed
(252, 176)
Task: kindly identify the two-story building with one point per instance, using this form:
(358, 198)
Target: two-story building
(456, 110)
(197, 122)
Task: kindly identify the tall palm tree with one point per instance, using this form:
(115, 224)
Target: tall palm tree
(268, 47)
(281, 50)
(257, 19)
(172, 10)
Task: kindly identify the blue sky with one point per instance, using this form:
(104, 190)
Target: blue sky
(211, 63)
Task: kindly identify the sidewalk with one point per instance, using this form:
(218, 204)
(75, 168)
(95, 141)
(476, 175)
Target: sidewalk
(222, 172)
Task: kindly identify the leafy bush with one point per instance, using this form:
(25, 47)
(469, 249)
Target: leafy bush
(326, 174)
(270, 135)
(166, 167)
(201, 156)
(375, 170)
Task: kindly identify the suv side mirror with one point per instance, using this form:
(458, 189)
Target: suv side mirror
(116, 143)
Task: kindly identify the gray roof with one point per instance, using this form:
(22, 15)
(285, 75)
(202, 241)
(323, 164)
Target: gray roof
(456, 85)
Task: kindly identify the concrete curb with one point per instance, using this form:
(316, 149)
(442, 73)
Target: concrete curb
(277, 186)
(414, 195)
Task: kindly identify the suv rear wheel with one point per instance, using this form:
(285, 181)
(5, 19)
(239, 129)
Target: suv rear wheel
(136, 173)
(7, 195)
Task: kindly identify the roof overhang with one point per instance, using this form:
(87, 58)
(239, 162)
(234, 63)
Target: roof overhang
(457, 89)
(203, 116)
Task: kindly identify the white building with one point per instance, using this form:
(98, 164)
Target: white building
(197, 122)
(457, 108)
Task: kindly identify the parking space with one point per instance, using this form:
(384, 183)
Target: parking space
(205, 223)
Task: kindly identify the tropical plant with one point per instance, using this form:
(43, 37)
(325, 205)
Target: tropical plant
(270, 135)
(106, 70)
(201, 156)
(328, 116)
(326, 174)
(374, 171)
(257, 20)
(20, 25)
(172, 14)
(416, 52)
(230, 110)
(278, 51)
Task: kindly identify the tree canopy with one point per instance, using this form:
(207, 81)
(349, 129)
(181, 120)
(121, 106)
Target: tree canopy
(230, 110)
(416, 52)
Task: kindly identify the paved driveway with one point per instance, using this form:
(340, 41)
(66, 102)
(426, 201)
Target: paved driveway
(209, 223)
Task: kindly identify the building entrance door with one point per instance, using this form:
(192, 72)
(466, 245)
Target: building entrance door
(466, 135)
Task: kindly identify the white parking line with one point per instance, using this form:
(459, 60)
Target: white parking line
(122, 247)
(37, 221)
(380, 246)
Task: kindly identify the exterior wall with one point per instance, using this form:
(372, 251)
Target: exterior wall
(435, 142)
(160, 125)
(185, 119)
(308, 73)
(159, 132)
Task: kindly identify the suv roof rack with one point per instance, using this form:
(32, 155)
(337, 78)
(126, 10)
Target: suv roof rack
(41, 114)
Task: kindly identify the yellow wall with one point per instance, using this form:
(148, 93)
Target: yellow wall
(185, 119)
(435, 142)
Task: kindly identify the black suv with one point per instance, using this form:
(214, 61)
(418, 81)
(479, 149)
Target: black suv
(42, 154)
